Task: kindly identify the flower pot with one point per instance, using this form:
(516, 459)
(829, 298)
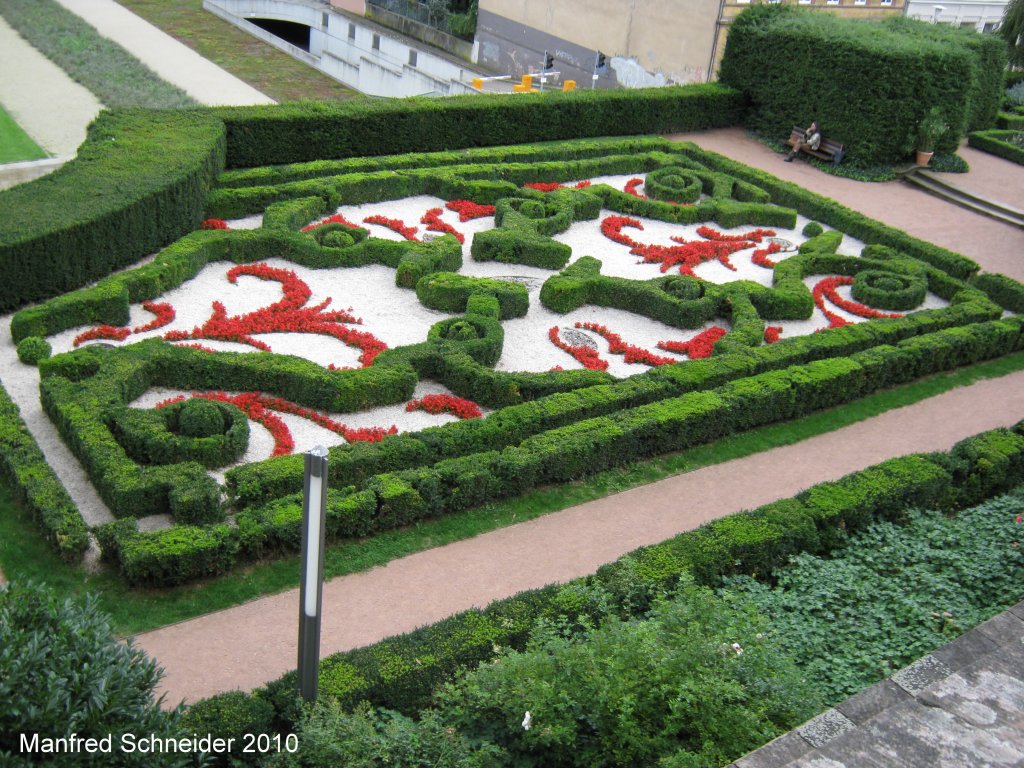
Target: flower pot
(923, 158)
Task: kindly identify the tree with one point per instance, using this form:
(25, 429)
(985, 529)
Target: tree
(1012, 30)
(63, 672)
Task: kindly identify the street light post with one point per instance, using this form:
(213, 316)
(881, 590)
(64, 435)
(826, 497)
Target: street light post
(314, 508)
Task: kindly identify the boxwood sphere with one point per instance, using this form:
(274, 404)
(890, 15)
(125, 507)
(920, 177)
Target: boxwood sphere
(812, 229)
(200, 418)
(674, 184)
(33, 349)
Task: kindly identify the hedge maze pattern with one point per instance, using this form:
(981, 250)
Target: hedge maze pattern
(546, 427)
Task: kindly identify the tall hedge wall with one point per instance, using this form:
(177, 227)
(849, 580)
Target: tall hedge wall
(868, 83)
(294, 133)
(139, 182)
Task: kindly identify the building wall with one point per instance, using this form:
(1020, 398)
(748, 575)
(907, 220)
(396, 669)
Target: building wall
(647, 43)
(982, 15)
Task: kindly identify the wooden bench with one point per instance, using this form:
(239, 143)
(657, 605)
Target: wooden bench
(829, 150)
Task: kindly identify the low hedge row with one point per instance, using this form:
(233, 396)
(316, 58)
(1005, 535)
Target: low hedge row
(625, 435)
(311, 131)
(139, 181)
(1010, 121)
(1000, 143)
(402, 672)
(1003, 290)
(35, 485)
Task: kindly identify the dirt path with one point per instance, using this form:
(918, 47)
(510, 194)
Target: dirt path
(246, 646)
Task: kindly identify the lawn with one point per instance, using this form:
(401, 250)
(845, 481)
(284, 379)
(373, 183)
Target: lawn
(262, 66)
(15, 144)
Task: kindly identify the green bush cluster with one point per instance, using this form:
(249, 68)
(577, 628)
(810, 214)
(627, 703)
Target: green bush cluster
(889, 290)
(1001, 143)
(139, 181)
(291, 133)
(33, 349)
(1003, 290)
(450, 292)
(36, 487)
(212, 433)
(876, 116)
(404, 672)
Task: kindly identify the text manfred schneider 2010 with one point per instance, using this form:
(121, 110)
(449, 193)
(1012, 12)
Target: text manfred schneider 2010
(131, 743)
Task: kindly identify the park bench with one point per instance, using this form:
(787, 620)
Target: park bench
(829, 150)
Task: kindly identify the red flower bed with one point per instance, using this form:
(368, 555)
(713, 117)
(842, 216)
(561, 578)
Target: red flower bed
(468, 210)
(335, 219)
(214, 224)
(772, 334)
(700, 346)
(432, 219)
(111, 332)
(761, 255)
(685, 254)
(544, 186)
(827, 289)
(586, 356)
(165, 315)
(395, 225)
(289, 315)
(631, 188)
(456, 406)
(617, 346)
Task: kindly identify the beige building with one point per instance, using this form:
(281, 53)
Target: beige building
(646, 42)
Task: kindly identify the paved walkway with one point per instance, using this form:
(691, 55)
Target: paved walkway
(251, 644)
(959, 706)
(51, 107)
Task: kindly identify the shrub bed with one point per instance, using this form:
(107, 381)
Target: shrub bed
(1000, 143)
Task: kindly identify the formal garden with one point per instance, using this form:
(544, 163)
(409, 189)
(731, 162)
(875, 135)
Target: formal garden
(466, 300)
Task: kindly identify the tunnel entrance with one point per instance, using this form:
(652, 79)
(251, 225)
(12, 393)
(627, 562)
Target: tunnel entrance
(289, 31)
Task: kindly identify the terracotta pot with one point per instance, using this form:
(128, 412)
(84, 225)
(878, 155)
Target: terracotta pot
(923, 158)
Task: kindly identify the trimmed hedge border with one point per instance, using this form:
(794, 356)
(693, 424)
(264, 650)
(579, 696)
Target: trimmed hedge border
(37, 487)
(998, 143)
(402, 672)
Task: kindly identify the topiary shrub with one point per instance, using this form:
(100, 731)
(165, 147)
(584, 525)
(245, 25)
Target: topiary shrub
(888, 290)
(200, 418)
(812, 229)
(230, 715)
(33, 349)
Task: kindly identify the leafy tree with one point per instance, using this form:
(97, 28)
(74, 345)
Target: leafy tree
(63, 672)
(1012, 30)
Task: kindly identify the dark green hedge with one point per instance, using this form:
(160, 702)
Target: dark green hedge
(999, 143)
(139, 182)
(307, 131)
(868, 83)
(402, 672)
(35, 485)
(1003, 290)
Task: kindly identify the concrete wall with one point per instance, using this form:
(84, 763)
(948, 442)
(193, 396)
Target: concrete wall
(647, 43)
(355, 51)
(982, 15)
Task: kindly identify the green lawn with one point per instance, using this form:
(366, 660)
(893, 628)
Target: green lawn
(262, 66)
(23, 554)
(15, 144)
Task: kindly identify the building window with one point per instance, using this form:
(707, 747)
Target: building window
(743, 2)
(886, 2)
(351, 31)
(860, 2)
(989, 26)
(805, 2)
(831, 2)
(376, 42)
(412, 58)
(325, 20)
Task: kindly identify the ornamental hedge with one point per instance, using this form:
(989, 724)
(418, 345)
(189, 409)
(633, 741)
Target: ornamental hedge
(404, 671)
(1005, 144)
(868, 83)
(551, 426)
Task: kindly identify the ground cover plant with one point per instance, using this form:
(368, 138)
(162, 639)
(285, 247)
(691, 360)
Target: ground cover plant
(16, 145)
(555, 371)
(116, 77)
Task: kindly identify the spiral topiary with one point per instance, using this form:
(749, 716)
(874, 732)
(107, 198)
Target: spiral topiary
(673, 184)
(889, 290)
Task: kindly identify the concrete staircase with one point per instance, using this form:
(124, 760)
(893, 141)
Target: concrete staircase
(934, 185)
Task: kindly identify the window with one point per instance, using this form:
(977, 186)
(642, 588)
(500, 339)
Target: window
(376, 42)
(805, 2)
(989, 26)
(412, 58)
(860, 2)
(325, 20)
(351, 31)
(831, 2)
(886, 2)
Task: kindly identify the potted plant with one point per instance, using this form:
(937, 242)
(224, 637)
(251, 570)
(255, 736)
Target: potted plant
(931, 129)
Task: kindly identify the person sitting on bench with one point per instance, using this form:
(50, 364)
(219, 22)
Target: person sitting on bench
(811, 138)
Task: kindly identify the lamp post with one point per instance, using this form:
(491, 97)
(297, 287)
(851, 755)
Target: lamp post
(314, 509)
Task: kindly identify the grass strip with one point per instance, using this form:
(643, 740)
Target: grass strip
(24, 555)
(248, 58)
(15, 145)
(116, 77)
